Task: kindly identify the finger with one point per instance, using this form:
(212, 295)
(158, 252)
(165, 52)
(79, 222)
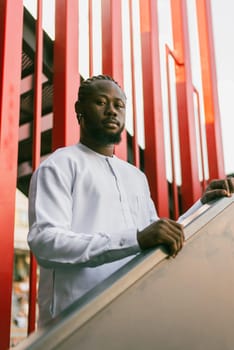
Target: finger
(169, 233)
(214, 194)
(226, 184)
(175, 223)
(171, 245)
(178, 236)
(176, 228)
(160, 232)
(230, 181)
(219, 184)
(173, 235)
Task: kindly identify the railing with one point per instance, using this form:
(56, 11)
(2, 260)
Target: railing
(129, 294)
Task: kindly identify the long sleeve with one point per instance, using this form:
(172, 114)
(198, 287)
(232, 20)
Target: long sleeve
(52, 237)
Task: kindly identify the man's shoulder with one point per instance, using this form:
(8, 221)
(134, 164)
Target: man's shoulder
(61, 156)
(66, 152)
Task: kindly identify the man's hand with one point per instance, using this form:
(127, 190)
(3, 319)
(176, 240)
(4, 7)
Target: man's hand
(217, 189)
(162, 232)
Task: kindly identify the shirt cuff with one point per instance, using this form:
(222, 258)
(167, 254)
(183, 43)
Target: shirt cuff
(126, 240)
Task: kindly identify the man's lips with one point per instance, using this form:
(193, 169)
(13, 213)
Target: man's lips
(111, 122)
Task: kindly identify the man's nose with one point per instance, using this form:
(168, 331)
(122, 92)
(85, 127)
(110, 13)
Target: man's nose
(110, 109)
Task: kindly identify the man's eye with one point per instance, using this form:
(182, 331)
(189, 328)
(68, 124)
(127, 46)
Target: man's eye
(119, 105)
(100, 102)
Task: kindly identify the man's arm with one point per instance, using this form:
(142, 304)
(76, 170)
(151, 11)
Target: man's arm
(51, 237)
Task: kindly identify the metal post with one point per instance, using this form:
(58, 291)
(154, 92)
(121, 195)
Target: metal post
(175, 196)
(210, 93)
(153, 116)
(66, 76)
(204, 182)
(36, 153)
(112, 63)
(11, 25)
(135, 145)
(90, 38)
(190, 188)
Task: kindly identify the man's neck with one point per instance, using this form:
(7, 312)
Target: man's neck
(106, 150)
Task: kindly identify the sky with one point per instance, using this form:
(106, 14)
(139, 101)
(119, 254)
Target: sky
(223, 28)
(223, 24)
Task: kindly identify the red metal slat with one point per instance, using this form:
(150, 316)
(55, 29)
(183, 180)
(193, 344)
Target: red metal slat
(190, 187)
(38, 88)
(27, 83)
(66, 75)
(210, 93)
(36, 153)
(112, 63)
(153, 116)
(32, 294)
(90, 38)
(10, 74)
(204, 182)
(112, 39)
(136, 153)
(173, 166)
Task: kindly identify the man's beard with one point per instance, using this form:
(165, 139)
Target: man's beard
(105, 138)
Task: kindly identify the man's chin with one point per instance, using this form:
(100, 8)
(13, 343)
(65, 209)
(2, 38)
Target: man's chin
(108, 137)
(112, 139)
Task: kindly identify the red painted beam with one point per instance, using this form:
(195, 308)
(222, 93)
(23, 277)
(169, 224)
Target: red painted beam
(204, 182)
(190, 188)
(210, 92)
(66, 76)
(175, 197)
(135, 145)
(90, 38)
(153, 116)
(36, 154)
(27, 83)
(112, 60)
(11, 32)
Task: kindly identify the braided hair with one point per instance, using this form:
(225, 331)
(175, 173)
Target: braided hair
(86, 84)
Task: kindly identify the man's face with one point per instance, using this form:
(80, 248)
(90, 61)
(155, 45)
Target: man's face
(103, 113)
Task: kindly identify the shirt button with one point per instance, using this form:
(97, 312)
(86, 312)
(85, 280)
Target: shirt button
(122, 241)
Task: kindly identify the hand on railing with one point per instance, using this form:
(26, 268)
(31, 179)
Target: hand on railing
(217, 189)
(165, 232)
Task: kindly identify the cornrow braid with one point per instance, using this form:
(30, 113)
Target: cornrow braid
(86, 84)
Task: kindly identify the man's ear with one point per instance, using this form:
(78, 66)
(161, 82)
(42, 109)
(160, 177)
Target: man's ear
(77, 107)
(79, 111)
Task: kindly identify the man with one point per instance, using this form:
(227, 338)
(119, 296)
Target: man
(89, 211)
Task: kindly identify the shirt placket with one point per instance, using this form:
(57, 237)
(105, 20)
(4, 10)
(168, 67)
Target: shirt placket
(122, 194)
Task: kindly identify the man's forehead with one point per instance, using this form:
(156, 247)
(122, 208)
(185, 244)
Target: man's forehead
(106, 87)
